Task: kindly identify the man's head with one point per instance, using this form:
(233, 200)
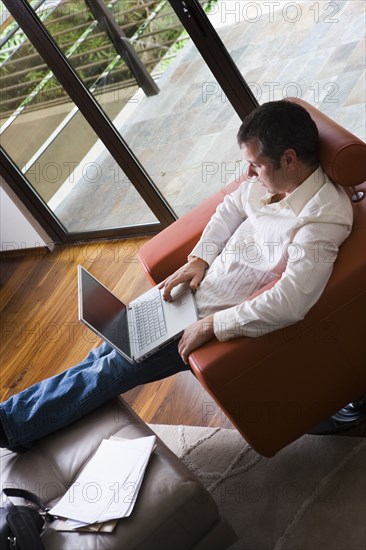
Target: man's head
(281, 142)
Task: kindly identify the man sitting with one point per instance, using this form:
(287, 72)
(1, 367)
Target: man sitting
(281, 230)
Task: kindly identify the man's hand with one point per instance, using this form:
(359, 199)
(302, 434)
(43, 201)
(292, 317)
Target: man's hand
(193, 271)
(195, 336)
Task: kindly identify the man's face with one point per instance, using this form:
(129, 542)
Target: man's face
(274, 180)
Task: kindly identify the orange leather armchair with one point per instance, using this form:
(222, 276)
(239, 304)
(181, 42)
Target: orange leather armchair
(279, 386)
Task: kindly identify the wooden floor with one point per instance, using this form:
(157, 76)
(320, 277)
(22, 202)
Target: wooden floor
(41, 335)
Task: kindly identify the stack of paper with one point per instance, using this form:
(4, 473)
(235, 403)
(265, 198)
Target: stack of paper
(108, 486)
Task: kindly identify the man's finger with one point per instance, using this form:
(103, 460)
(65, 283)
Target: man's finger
(195, 283)
(162, 284)
(184, 356)
(168, 287)
(171, 283)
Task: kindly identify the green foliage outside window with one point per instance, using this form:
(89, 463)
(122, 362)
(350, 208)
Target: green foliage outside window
(152, 26)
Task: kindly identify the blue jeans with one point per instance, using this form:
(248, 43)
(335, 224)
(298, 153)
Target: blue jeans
(56, 402)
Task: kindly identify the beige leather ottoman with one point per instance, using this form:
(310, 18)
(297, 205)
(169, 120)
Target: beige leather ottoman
(172, 511)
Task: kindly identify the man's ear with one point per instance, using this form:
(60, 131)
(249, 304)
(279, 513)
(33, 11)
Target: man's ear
(289, 158)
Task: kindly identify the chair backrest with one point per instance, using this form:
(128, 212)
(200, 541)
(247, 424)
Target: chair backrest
(342, 155)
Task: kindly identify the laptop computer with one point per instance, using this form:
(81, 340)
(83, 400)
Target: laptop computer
(140, 328)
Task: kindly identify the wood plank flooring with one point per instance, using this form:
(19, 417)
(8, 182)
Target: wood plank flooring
(41, 335)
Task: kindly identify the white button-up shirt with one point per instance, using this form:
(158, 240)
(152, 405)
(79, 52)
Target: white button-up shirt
(250, 242)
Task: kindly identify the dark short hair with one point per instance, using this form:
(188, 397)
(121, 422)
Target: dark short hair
(280, 125)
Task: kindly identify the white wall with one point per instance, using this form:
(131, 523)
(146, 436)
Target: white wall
(16, 232)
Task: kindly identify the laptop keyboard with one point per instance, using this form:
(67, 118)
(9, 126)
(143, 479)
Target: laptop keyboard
(150, 321)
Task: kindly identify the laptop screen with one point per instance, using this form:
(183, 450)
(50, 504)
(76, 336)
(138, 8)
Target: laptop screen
(103, 312)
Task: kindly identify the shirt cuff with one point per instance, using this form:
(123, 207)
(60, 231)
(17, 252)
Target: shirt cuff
(207, 251)
(225, 325)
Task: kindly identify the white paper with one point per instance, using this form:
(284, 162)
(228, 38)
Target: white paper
(107, 487)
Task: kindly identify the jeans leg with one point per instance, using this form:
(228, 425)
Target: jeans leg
(57, 401)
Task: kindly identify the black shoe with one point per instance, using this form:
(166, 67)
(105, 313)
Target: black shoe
(348, 417)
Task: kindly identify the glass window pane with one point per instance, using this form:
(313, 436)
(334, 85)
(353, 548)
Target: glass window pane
(185, 136)
(317, 52)
(57, 150)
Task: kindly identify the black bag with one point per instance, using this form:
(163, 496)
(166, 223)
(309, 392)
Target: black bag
(20, 525)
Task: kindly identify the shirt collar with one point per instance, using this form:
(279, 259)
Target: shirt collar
(302, 194)
(305, 191)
